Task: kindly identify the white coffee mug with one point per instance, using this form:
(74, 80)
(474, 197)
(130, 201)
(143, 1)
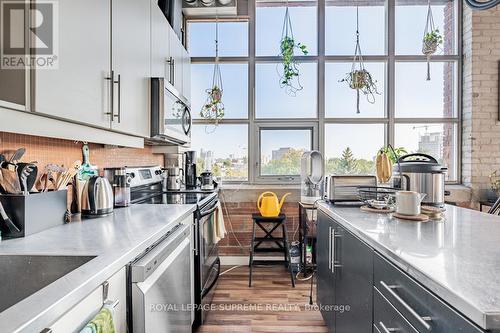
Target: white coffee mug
(408, 202)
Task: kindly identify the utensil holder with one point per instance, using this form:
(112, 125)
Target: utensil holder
(34, 212)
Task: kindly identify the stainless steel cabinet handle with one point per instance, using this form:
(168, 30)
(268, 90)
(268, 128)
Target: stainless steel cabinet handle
(422, 320)
(111, 80)
(119, 98)
(385, 329)
(172, 71)
(46, 330)
(330, 248)
(335, 262)
(196, 241)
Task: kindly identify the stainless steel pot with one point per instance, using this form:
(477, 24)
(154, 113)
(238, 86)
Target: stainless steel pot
(421, 173)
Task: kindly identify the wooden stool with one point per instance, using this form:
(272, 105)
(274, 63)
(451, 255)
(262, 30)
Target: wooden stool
(273, 223)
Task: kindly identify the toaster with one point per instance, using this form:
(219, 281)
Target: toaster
(344, 189)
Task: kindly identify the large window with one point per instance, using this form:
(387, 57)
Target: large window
(222, 150)
(281, 150)
(275, 126)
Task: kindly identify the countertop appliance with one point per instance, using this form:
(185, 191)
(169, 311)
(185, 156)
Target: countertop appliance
(174, 179)
(170, 114)
(97, 197)
(344, 189)
(423, 174)
(207, 180)
(205, 250)
(190, 178)
(312, 170)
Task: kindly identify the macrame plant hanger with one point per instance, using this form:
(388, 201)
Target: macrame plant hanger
(358, 59)
(289, 64)
(213, 108)
(429, 48)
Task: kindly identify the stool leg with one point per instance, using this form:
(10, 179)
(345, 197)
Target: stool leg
(250, 261)
(287, 255)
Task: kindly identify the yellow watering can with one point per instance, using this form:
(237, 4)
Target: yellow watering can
(269, 205)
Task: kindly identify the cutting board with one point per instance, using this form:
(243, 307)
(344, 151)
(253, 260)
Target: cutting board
(417, 218)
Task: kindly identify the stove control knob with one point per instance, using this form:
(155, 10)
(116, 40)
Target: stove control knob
(132, 175)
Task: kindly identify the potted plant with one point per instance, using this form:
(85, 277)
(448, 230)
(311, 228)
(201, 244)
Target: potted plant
(359, 78)
(432, 40)
(494, 190)
(213, 108)
(290, 70)
(362, 81)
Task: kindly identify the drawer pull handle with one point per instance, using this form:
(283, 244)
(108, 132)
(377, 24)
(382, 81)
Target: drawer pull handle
(420, 319)
(385, 329)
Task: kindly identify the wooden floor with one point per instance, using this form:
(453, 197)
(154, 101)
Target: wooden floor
(270, 305)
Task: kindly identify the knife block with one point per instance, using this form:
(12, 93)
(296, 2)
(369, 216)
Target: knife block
(34, 212)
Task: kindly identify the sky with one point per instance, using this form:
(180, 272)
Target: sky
(415, 96)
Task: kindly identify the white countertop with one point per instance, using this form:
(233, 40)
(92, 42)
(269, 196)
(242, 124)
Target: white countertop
(457, 258)
(115, 240)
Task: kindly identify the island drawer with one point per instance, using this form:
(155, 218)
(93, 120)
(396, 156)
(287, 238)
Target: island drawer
(386, 318)
(420, 307)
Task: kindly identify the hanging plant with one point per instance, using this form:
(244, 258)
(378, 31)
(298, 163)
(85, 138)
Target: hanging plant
(359, 78)
(213, 108)
(290, 74)
(432, 39)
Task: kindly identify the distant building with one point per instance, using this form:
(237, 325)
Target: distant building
(280, 153)
(431, 144)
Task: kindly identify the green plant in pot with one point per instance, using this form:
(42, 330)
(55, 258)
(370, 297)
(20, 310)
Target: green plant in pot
(213, 108)
(289, 73)
(359, 78)
(432, 40)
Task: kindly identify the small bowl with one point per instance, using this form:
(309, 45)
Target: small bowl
(378, 204)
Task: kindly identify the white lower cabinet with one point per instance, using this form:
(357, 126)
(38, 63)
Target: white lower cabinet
(76, 318)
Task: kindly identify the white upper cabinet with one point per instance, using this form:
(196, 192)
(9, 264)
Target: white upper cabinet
(176, 49)
(131, 43)
(160, 41)
(78, 89)
(186, 74)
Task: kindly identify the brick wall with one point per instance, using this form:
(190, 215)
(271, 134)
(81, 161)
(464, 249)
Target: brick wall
(240, 204)
(481, 128)
(65, 152)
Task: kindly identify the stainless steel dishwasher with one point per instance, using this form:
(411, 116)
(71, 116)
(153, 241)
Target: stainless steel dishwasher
(161, 285)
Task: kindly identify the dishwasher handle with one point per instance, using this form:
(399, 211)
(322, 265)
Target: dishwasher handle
(145, 265)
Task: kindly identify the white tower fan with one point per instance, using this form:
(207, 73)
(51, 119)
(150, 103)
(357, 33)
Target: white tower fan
(312, 170)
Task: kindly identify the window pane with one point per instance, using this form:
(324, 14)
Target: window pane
(437, 140)
(272, 101)
(269, 26)
(281, 150)
(340, 21)
(340, 99)
(352, 148)
(416, 97)
(411, 20)
(235, 85)
(230, 157)
(233, 39)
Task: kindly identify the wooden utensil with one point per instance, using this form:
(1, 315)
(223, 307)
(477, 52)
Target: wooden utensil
(68, 175)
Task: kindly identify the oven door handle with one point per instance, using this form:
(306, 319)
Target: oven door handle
(209, 211)
(206, 291)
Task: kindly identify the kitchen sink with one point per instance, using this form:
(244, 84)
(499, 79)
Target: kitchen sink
(23, 275)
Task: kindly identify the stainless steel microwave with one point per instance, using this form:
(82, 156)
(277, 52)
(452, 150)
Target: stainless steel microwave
(170, 113)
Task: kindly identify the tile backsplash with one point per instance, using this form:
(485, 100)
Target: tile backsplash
(65, 152)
